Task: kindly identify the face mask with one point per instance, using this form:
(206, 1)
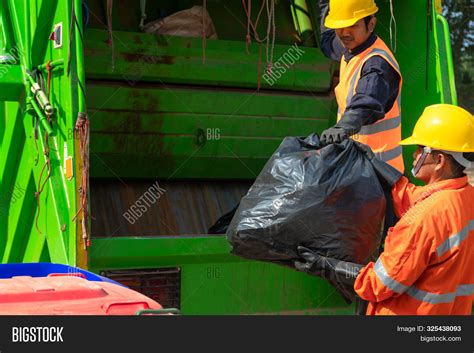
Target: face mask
(421, 161)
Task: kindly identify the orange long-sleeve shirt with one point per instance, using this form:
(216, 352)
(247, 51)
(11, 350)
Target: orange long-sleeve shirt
(427, 267)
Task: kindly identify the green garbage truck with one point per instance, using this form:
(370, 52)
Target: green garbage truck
(120, 145)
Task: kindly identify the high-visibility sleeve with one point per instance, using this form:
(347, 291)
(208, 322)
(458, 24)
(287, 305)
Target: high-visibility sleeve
(408, 249)
(404, 195)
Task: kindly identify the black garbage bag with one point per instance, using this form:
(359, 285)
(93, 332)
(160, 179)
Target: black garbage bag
(222, 224)
(327, 199)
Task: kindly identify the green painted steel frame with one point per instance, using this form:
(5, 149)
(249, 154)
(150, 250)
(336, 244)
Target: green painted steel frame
(38, 228)
(215, 282)
(444, 64)
(12, 82)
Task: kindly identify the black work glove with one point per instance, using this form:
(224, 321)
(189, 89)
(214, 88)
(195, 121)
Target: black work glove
(384, 171)
(335, 134)
(313, 263)
(331, 269)
(349, 125)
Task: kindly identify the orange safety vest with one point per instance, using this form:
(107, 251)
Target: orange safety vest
(384, 135)
(427, 267)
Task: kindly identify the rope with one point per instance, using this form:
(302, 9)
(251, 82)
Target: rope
(248, 39)
(49, 69)
(38, 75)
(270, 35)
(271, 29)
(254, 25)
(36, 127)
(81, 131)
(41, 185)
(393, 23)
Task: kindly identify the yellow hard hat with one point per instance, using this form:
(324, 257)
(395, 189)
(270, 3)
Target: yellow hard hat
(345, 13)
(444, 127)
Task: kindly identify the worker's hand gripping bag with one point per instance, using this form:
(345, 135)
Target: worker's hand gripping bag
(326, 199)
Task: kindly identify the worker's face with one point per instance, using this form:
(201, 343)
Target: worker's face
(353, 36)
(433, 166)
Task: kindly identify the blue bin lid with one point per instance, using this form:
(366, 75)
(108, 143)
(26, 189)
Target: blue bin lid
(44, 269)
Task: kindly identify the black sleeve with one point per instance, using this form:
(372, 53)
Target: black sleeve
(330, 44)
(376, 93)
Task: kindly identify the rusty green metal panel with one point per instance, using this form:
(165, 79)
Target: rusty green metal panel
(139, 57)
(151, 131)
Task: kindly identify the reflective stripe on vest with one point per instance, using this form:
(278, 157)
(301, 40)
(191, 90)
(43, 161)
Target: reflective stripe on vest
(380, 52)
(419, 294)
(381, 126)
(390, 154)
(382, 136)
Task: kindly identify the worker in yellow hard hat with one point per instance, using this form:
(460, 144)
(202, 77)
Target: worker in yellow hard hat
(427, 264)
(370, 81)
(454, 125)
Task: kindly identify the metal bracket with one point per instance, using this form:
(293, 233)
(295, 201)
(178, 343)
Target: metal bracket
(57, 35)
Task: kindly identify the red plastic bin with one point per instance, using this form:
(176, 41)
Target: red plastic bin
(69, 295)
